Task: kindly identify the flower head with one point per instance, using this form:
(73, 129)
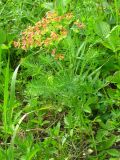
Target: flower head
(16, 44)
(59, 56)
(47, 32)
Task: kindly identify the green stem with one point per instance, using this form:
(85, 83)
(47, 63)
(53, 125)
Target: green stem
(0, 59)
(116, 11)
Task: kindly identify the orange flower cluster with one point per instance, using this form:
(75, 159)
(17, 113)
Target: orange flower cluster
(47, 32)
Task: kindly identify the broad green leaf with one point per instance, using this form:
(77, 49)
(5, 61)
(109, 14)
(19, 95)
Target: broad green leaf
(113, 39)
(3, 46)
(115, 78)
(110, 39)
(12, 91)
(108, 44)
(113, 152)
(102, 29)
(48, 5)
(87, 109)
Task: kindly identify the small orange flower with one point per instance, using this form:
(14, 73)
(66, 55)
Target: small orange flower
(68, 16)
(79, 25)
(44, 21)
(24, 33)
(59, 56)
(30, 34)
(38, 24)
(36, 28)
(47, 41)
(24, 47)
(30, 41)
(53, 35)
(16, 44)
(64, 32)
(57, 19)
(38, 43)
(53, 52)
(51, 15)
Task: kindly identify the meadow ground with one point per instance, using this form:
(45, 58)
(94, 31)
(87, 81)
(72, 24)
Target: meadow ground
(59, 80)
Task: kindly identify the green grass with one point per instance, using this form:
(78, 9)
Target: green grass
(62, 106)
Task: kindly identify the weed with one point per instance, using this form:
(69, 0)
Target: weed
(59, 80)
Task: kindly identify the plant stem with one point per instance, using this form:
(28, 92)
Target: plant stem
(116, 11)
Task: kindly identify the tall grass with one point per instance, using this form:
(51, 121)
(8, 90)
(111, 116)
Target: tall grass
(55, 108)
